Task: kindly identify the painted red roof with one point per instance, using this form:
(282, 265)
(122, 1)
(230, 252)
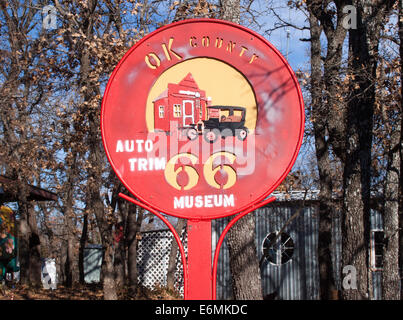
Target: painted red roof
(189, 81)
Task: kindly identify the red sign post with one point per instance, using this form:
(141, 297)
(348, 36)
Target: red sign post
(202, 119)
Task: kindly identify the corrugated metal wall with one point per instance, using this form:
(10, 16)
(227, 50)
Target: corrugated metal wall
(296, 279)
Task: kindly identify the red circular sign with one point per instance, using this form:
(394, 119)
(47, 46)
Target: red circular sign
(202, 118)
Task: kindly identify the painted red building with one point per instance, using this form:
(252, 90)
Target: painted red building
(184, 103)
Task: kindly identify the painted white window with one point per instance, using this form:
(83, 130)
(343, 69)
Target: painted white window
(161, 111)
(177, 110)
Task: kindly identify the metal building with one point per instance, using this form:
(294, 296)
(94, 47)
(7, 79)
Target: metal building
(289, 265)
(289, 268)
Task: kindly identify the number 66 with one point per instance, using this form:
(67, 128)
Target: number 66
(208, 171)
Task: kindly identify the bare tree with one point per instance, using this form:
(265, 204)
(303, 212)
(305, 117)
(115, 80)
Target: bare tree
(87, 38)
(363, 44)
(326, 122)
(23, 89)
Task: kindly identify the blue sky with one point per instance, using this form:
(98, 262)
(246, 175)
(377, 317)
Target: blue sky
(298, 54)
(298, 51)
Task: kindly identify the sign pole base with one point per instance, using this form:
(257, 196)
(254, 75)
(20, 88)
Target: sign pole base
(199, 260)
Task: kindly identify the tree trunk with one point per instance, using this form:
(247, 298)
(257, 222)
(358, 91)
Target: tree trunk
(96, 159)
(172, 255)
(35, 263)
(119, 263)
(23, 248)
(108, 279)
(120, 233)
(83, 242)
(70, 257)
(331, 113)
(391, 274)
(68, 217)
(23, 245)
(61, 264)
(326, 211)
(104, 222)
(363, 43)
(121, 257)
(244, 265)
(327, 287)
(134, 220)
(107, 270)
(355, 204)
(356, 189)
(104, 218)
(132, 248)
(355, 239)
